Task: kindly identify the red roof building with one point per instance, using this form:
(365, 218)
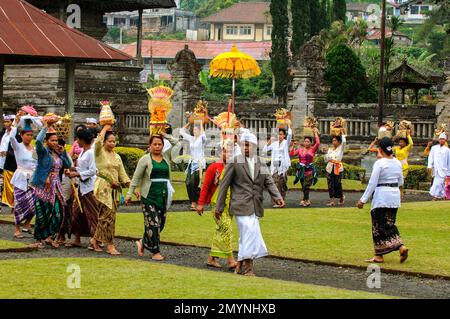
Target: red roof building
(204, 50)
(374, 35)
(27, 32)
(157, 54)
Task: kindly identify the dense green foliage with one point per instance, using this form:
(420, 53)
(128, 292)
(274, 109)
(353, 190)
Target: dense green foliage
(347, 77)
(416, 174)
(339, 10)
(301, 24)
(130, 157)
(217, 89)
(280, 54)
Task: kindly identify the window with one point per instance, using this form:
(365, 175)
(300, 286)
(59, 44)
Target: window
(232, 30)
(414, 9)
(390, 11)
(120, 21)
(245, 30)
(424, 9)
(269, 30)
(134, 21)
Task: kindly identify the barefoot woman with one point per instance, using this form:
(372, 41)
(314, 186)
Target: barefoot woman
(384, 183)
(222, 240)
(152, 176)
(85, 212)
(110, 178)
(49, 199)
(26, 164)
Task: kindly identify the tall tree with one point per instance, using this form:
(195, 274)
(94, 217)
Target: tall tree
(301, 24)
(324, 17)
(346, 77)
(339, 10)
(316, 20)
(280, 52)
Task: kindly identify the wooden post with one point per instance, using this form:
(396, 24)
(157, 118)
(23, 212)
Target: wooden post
(2, 70)
(70, 91)
(403, 96)
(382, 49)
(139, 39)
(416, 95)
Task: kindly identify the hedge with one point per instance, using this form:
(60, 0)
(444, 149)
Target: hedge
(350, 171)
(130, 157)
(416, 174)
(181, 162)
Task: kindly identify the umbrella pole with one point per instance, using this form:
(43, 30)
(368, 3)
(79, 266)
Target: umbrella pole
(233, 93)
(233, 89)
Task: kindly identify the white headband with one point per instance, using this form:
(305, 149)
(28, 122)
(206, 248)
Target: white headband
(9, 117)
(249, 137)
(443, 136)
(91, 120)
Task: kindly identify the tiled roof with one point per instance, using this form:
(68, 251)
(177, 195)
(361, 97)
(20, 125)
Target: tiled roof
(28, 33)
(121, 5)
(359, 7)
(375, 34)
(243, 12)
(206, 50)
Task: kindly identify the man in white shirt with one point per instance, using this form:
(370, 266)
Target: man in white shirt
(280, 161)
(438, 167)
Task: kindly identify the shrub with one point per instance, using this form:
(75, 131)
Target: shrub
(417, 174)
(354, 172)
(181, 162)
(350, 171)
(130, 157)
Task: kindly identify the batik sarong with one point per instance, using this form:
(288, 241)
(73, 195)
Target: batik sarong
(24, 208)
(386, 237)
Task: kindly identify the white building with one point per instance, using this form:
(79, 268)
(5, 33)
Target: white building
(155, 20)
(410, 11)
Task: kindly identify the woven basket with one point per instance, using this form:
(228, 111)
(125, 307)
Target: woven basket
(382, 134)
(402, 134)
(308, 131)
(336, 131)
(62, 129)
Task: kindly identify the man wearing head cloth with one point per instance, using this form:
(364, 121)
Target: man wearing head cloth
(438, 167)
(7, 160)
(91, 122)
(247, 176)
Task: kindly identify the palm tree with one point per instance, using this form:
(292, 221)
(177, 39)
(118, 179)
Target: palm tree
(394, 23)
(357, 33)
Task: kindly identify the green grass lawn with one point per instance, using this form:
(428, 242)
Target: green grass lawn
(119, 278)
(341, 235)
(6, 244)
(347, 184)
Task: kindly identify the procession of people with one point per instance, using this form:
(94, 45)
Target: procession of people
(77, 193)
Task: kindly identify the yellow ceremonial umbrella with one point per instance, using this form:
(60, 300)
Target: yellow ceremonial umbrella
(234, 65)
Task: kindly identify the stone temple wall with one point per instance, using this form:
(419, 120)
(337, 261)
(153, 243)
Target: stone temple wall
(44, 87)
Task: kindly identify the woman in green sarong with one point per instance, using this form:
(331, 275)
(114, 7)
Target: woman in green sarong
(152, 176)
